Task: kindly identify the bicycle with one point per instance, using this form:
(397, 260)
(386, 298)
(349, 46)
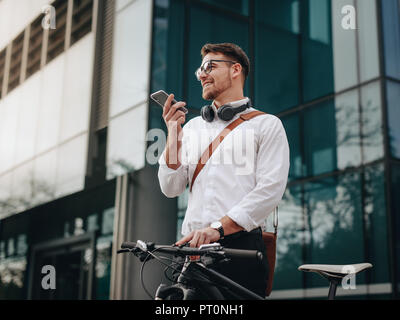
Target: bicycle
(196, 281)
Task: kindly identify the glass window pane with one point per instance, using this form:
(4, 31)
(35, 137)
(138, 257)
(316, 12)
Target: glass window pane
(126, 143)
(77, 88)
(317, 54)
(391, 36)
(160, 45)
(167, 55)
(215, 28)
(393, 98)
(292, 128)
(8, 129)
(290, 241)
(368, 39)
(29, 93)
(320, 138)
(71, 166)
(6, 203)
(332, 134)
(48, 126)
(348, 141)
(131, 56)
(375, 214)
(44, 176)
(21, 187)
(276, 55)
(372, 137)
(344, 49)
(334, 223)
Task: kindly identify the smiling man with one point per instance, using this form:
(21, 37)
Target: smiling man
(224, 206)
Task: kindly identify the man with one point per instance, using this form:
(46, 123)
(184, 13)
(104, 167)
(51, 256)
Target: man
(225, 206)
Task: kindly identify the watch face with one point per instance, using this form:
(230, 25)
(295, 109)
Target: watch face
(216, 225)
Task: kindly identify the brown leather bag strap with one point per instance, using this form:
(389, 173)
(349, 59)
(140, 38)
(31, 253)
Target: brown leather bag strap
(216, 142)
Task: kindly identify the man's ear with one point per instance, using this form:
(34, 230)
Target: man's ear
(236, 70)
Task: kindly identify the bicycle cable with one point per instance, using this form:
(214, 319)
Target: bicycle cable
(169, 267)
(151, 253)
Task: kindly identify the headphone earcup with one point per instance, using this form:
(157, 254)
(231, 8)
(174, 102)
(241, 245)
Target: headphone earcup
(225, 112)
(207, 113)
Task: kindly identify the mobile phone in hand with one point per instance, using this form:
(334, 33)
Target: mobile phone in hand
(161, 96)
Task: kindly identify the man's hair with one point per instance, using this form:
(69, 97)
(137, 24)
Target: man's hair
(229, 50)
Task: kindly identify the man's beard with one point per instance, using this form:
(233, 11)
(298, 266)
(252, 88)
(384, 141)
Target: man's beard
(214, 92)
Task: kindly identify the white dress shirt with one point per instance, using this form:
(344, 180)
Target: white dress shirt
(245, 177)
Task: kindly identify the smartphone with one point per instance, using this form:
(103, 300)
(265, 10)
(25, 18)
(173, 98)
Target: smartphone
(161, 96)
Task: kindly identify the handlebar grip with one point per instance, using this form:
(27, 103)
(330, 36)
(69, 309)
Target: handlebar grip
(244, 254)
(128, 245)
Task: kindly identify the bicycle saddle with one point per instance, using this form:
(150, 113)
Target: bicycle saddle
(335, 270)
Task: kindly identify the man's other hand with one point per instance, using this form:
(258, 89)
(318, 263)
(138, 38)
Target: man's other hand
(198, 237)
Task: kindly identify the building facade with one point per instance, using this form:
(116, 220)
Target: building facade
(78, 167)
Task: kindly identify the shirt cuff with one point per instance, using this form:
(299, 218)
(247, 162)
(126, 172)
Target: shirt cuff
(242, 219)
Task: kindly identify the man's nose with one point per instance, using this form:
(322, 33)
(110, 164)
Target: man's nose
(203, 75)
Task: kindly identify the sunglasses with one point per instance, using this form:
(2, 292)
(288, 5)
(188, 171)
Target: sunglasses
(208, 66)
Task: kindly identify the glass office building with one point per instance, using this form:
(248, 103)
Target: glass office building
(76, 175)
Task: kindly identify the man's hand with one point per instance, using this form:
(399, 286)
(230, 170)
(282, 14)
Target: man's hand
(199, 237)
(173, 119)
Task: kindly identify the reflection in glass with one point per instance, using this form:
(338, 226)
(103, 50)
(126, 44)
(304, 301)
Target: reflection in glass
(29, 93)
(348, 139)
(22, 187)
(108, 221)
(92, 222)
(71, 165)
(22, 245)
(44, 177)
(317, 54)
(375, 217)
(160, 45)
(334, 222)
(12, 271)
(131, 56)
(276, 55)
(127, 143)
(290, 241)
(103, 267)
(393, 98)
(48, 126)
(368, 39)
(77, 88)
(215, 28)
(8, 129)
(292, 128)
(344, 49)
(320, 138)
(391, 37)
(372, 137)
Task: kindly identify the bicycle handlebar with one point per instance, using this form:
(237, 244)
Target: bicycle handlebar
(187, 251)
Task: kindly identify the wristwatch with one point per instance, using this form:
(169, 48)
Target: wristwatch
(217, 225)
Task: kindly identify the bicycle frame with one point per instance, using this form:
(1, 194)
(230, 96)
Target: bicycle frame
(186, 279)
